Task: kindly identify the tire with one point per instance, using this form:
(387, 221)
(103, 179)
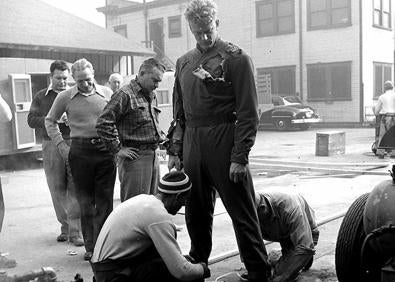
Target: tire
(374, 148)
(281, 124)
(349, 242)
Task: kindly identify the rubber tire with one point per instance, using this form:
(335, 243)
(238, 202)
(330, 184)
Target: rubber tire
(349, 242)
(282, 124)
(374, 148)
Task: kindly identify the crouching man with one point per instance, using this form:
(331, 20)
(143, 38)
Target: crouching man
(138, 240)
(289, 220)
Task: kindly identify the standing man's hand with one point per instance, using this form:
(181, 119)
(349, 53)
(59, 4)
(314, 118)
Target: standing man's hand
(64, 150)
(174, 161)
(237, 172)
(129, 153)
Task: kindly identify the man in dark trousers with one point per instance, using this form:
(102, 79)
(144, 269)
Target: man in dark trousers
(138, 240)
(129, 127)
(214, 128)
(57, 170)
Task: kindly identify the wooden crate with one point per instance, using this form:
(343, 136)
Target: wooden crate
(330, 143)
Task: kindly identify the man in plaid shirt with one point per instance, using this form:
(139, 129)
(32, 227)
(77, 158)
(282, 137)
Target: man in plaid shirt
(129, 127)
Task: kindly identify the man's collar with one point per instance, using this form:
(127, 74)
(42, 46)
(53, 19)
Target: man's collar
(210, 48)
(135, 85)
(50, 88)
(74, 91)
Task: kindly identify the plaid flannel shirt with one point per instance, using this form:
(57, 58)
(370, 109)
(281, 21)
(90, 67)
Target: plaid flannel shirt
(130, 117)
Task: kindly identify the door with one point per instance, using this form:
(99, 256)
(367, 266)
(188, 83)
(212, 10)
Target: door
(21, 91)
(156, 36)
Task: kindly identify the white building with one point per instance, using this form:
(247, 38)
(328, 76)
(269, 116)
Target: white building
(334, 54)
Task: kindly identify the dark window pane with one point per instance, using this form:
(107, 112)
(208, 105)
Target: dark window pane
(341, 81)
(318, 19)
(387, 73)
(267, 27)
(175, 27)
(265, 11)
(378, 80)
(317, 5)
(285, 8)
(286, 82)
(340, 16)
(316, 82)
(285, 24)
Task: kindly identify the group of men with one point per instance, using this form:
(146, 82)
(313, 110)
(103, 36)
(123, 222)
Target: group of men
(88, 131)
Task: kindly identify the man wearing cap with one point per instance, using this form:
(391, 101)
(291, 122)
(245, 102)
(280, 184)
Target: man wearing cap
(385, 108)
(138, 240)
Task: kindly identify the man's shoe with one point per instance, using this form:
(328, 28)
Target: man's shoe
(88, 256)
(62, 238)
(76, 241)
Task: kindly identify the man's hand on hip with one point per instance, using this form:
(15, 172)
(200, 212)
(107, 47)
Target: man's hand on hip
(237, 172)
(128, 153)
(174, 161)
(64, 150)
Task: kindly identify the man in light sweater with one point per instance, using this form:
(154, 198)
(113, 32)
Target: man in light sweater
(92, 166)
(138, 240)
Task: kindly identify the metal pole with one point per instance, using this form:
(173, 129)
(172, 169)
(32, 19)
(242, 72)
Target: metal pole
(146, 23)
(235, 252)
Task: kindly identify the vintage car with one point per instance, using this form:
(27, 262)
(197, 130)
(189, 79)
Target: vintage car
(288, 112)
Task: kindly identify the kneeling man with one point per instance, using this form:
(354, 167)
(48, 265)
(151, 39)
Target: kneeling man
(138, 240)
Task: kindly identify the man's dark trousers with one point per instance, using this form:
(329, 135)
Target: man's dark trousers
(206, 153)
(94, 171)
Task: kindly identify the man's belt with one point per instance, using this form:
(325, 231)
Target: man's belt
(202, 121)
(87, 141)
(140, 146)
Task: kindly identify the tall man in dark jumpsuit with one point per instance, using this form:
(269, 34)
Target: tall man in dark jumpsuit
(214, 128)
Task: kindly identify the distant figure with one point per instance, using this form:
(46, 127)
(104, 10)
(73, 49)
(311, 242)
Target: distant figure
(92, 165)
(385, 108)
(5, 116)
(138, 241)
(56, 168)
(115, 81)
(129, 127)
(289, 220)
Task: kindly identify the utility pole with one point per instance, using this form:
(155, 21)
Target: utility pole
(146, 23)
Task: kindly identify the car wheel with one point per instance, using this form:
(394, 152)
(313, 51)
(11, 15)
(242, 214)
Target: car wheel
(281, 124)
(349, 242)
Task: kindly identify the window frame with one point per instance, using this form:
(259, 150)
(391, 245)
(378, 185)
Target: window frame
(328, 11)
(116, 28)
(275, 74)
(275, 18)
(328, 81)
(383, 79)
(381, 11)
(178, 33)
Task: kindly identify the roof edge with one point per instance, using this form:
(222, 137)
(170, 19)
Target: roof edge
(115, 10)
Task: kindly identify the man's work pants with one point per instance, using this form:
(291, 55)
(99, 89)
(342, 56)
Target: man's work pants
(140, 176)
(94, 171)
(62, 189)
(206, 153)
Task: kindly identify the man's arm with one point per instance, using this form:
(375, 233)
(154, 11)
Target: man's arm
(5, 111)
(35, 119)
(378, 107)
(163, 235)
(107, 122)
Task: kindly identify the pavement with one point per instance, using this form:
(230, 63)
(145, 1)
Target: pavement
(279, 161)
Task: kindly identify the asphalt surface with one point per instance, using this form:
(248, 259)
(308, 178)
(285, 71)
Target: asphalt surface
(279, 161)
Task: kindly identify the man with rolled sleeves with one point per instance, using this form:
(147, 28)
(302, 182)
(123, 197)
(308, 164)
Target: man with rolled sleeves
(214, 128)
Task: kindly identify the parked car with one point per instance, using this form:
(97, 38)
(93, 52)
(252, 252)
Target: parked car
(289, 112)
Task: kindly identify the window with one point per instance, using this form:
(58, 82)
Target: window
(174, 26)
(329, 82)
(276, 81)
(122, 30)
(162, 96)
(275, 17)
(382, 13)
(324, 14)
(382, 73)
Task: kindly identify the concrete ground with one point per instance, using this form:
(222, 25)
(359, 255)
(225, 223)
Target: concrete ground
(279, 161)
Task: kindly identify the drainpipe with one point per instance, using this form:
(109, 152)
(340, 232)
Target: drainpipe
(300, 51)
(146, 23)
(361, 86)
(105, 14)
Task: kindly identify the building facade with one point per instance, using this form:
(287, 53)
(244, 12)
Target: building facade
(334, 54)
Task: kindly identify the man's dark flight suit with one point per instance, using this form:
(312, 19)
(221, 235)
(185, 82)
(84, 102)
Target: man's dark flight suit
(216, 122)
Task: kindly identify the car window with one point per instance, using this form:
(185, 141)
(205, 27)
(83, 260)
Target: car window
(293, 99)
(277, 101)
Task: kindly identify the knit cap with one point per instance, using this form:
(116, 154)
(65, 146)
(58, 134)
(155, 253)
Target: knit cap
(174, 182)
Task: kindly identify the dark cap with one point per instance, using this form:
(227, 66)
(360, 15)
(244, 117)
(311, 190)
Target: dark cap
(174, 182)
